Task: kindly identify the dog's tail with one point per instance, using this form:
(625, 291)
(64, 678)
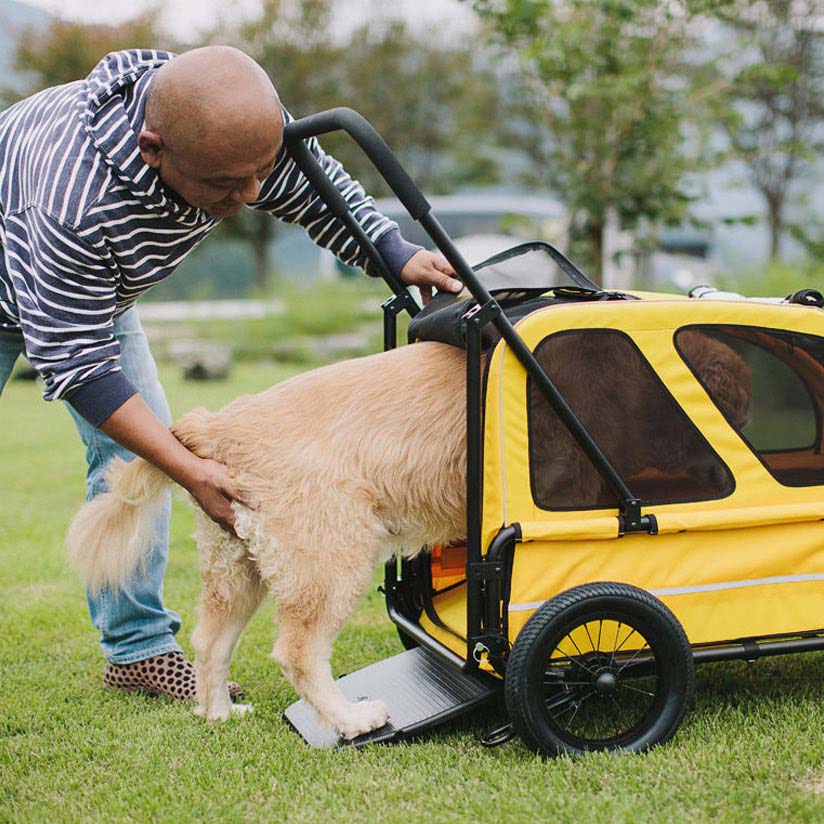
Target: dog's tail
(110, 536)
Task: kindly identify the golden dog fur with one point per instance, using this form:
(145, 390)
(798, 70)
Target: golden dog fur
(348, 464)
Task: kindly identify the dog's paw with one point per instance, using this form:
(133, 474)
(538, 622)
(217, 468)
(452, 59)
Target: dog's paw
(362, 717)
(223, 712)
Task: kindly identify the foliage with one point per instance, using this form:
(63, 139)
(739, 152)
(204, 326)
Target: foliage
(601, 103)
(776, 280)
(65, 51)
(772, 108)
(301, 331)
(432, 100)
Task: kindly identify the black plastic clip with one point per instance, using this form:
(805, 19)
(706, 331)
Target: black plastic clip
(392, 307)
(484, 570)
(807, 297)
(494, 738)
(397, 303)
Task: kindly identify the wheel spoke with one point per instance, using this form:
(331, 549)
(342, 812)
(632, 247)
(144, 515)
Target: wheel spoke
(634, 632)
(626, 686)
(617, 635)
(561, 703)
(586, 628)
(618, 648)
(577, 648)
(577, 708)
(572, 660)
(634, 656)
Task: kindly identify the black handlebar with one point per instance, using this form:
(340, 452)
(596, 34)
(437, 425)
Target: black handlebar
(373, 145)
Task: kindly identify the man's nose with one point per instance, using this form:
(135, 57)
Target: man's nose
(247, 191)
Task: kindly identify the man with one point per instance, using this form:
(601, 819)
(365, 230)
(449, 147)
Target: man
(106, 184)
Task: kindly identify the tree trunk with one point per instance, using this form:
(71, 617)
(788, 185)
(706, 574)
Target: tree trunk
(595, 242)
(262, 233)
(775, 217)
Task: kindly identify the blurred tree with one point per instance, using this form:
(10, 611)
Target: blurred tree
(66, 51)
(599, 100)
(435, 104)
(773, 105)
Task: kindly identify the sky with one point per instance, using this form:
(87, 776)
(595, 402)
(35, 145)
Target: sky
(183, 18)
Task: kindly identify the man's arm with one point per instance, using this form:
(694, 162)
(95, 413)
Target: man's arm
(136, 427)
(288, 195)
(66, 300)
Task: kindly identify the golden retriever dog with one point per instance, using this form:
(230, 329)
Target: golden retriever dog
(348, 464)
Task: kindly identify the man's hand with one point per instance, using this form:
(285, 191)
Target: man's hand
(136, 427)
(427, 269)
(210, 485)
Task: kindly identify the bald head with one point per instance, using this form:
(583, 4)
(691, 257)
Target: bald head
(216, 94)
(211, 114)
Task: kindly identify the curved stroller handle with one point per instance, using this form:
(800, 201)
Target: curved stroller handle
(373, 145)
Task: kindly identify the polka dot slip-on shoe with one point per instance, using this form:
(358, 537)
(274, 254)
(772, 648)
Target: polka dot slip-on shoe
(168, 674)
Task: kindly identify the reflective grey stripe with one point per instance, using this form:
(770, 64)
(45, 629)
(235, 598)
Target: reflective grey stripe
(525, 607)
(754, 582)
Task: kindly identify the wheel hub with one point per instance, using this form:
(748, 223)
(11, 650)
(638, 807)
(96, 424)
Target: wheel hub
(606, 682)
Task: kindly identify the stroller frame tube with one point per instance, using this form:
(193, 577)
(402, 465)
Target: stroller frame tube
(479, 571)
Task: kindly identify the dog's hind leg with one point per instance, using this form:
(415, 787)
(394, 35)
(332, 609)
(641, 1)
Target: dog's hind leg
(232, 591)
(308, 629)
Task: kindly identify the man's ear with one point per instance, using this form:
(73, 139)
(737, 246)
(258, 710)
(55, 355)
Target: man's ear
(151, 147)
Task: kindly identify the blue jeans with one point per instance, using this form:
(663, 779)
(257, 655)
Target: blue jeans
(132, 620)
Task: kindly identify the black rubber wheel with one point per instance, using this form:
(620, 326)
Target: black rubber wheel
(602, 666)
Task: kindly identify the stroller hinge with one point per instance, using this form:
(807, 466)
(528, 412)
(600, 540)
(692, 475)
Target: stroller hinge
(631, 519)
(484, 570)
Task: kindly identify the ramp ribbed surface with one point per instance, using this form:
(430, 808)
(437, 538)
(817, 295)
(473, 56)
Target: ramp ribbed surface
(420, 689)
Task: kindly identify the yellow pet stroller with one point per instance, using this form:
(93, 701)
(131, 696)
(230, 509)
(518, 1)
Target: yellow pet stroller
(645, 487)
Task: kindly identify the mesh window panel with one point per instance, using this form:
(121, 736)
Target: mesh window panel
(632, 417)
(782, 424)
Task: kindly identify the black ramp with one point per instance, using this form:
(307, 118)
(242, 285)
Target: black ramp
(420, 688)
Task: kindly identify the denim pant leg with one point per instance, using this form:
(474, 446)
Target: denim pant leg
(132, 620)
(11, 345)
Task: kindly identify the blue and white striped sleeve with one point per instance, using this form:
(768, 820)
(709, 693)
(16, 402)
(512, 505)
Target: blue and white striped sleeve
(289, 196)
(66, 301)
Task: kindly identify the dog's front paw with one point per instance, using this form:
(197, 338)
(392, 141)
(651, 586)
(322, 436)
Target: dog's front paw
(223, 712)
(362, 717)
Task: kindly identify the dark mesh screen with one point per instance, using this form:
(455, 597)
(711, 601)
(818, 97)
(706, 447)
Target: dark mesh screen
(634, 420)
(531, 265)
(782, 424)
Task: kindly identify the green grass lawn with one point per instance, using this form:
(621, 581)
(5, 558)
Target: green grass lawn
(750, 750)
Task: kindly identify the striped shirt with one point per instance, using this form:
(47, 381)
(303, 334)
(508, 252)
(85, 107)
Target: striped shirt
(86, 226)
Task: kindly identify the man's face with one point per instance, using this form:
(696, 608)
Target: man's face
(219, 185)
